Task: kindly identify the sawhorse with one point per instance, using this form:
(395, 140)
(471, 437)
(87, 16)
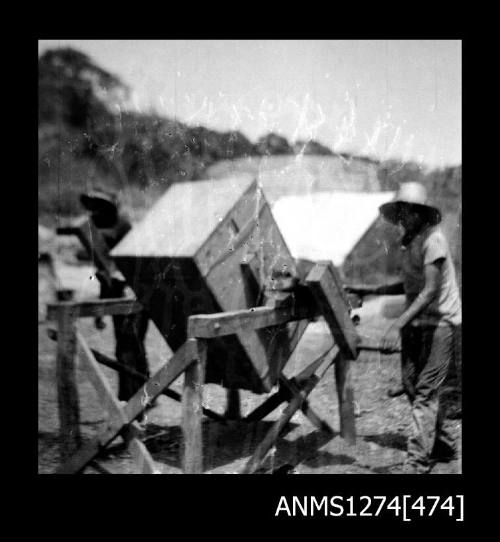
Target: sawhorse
(190, 359)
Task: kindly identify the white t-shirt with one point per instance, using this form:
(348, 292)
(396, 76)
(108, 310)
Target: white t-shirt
(425, 248)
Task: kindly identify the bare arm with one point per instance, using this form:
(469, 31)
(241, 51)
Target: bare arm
(391, 289)
(432, 273)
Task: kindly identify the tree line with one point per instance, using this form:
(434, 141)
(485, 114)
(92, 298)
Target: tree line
(85, 138)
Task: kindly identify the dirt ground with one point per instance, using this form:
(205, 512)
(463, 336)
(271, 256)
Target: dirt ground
(382, 422)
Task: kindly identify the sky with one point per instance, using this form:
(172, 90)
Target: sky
(379, 98)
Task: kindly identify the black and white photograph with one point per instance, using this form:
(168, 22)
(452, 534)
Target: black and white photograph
(250, 257)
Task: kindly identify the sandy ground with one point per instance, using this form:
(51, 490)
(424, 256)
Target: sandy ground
(382, 422)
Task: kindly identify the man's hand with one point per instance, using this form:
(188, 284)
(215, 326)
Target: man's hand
(391, 340)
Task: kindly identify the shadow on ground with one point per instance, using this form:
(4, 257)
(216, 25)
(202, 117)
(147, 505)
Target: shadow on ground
(225, 444)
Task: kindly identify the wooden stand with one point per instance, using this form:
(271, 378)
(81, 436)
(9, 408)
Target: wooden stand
(190, 360)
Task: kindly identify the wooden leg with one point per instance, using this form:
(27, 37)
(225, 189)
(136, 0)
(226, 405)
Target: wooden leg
(100, 383)
(233, 408)
(144, 461)
(345, 398)
(306, 407)
(67, 393)
(270, 404)
(177, 364)
(295, 403)
(194, 377)
(119, 367)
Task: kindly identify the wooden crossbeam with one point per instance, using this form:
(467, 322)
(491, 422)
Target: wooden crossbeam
(100, 383)
(142, 457)
(191, 360)
(67, 392)
(240, 239)
(345, 394)
(144, 461)
(306, 407)
(192, 412)
(177, 364)
(323, 281)
(268, 406)
(285, 392)
(206, 326)
(113, 406)
(140, 377)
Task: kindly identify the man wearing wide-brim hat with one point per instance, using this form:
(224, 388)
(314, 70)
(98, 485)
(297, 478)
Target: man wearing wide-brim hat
(130, 330)
(426, 329)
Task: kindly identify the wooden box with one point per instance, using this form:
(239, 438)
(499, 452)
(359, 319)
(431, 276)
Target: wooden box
(187, 256)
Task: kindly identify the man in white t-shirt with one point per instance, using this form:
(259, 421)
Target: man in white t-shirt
(426, 329)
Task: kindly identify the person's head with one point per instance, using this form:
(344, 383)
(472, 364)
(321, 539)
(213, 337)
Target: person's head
(411, 217)
(411, 208)
(102, 206)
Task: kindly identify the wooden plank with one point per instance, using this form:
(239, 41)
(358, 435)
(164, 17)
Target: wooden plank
(207, 326)
(165, 376)
(78, 461)
(345, 396)
(234, 234)
(290, 386)
(200, 271)
(181, 359)
(226, 279)
(318, 422)
(322, 361)
(144, 461)
(268, 406)
(101, 307)
(237, 242)
(233, 405)
(296, 402)
(321, 280)
(283, 393)
(172, 394)
(191, 412)
(67, 392)
(100, 382)
(336, 277)
(306, 407)
(193, 210)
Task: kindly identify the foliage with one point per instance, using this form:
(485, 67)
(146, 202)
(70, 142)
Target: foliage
(73, 90)
(443, 185)
(311, 147)
(86, 137)
(272, 144)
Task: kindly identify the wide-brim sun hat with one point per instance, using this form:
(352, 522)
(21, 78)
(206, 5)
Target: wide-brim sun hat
(415, 195)
(101, 198)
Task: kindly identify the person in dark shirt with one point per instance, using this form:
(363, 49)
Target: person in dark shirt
(130, 330)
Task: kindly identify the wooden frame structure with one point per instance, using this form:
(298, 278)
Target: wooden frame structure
(190, 360)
